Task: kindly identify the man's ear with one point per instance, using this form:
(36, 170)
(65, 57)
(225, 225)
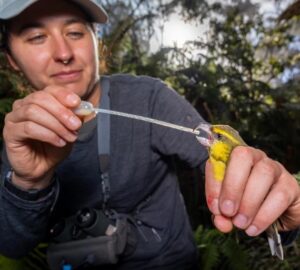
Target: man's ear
(12, 61)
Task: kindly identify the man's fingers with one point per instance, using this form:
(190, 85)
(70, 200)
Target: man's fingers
(282, 195)
(222, 223)
(242, 160)
(36, 132)
(63, 95)
(272, 208)
(259, 184)
(55, 107)
(256, 191)
(17, 104)
(39, 116)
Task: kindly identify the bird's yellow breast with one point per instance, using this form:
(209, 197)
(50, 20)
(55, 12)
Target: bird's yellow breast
(219, 154)
(220, 151)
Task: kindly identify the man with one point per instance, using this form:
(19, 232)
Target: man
(51, 168)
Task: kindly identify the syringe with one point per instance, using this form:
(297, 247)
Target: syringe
(86, 108)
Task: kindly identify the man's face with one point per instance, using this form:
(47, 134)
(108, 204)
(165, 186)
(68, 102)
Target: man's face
(53, 44)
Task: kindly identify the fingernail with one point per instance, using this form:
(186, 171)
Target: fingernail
(72, 99)
(71, 137)
(75, 122)
(252, 230)
(228, 207)
(61, 142)
(240, 221)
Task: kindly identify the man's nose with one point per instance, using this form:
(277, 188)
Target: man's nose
(63, 52)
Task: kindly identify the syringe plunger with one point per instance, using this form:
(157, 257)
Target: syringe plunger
(85, 108)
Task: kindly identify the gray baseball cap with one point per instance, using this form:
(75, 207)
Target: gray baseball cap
(12, 8)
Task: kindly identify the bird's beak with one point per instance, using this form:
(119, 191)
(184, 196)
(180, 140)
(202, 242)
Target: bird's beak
(205, 136)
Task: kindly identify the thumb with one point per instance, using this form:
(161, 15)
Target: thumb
(212, 189)
(212, 192)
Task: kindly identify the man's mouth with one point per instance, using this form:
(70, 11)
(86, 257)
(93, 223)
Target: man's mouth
(67, 76)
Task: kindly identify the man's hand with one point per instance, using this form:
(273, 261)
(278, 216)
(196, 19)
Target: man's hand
(38, 133)
(255, 192)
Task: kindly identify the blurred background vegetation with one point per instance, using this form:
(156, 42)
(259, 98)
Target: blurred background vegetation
(242, 69)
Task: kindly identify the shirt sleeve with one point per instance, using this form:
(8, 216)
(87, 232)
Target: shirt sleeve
(169, 106)
(289, 237)
(24, 221)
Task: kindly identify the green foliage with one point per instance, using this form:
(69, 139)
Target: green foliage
(236, 76)
(219, 251)
(239, 81)
(237, 251)
(10, 264)
(35, 260)
(12, 86)
(297, 176)
(260, 257)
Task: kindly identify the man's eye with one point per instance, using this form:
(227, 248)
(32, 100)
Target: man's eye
(37, 39)
(75, 35)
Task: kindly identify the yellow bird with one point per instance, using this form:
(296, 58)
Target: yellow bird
(220, 140)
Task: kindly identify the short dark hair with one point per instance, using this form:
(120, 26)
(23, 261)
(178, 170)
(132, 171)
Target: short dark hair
(3, 37)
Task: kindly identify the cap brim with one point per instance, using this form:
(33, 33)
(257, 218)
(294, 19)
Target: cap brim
(97, 13)
(91, 7)
(13, 9)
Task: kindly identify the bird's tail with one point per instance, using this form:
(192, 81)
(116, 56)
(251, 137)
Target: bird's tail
(274, 240)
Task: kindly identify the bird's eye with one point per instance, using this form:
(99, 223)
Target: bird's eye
(219, 136)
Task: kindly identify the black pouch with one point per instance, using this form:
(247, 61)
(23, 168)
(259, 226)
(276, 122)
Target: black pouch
(86, 248)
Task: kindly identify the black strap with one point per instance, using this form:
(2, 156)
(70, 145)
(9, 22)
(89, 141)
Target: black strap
(103, 129)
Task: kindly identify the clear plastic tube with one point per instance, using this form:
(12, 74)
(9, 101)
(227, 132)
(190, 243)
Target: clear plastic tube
(87, 108)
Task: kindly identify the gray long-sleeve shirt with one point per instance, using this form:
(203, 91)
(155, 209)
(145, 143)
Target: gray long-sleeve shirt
(140, 165)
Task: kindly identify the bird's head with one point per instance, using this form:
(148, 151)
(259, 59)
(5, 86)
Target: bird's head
(211, 134)
(220, 141)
